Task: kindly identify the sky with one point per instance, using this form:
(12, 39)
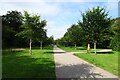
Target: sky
(59, 14)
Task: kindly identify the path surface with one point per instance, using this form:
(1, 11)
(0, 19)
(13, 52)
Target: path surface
(70, 66)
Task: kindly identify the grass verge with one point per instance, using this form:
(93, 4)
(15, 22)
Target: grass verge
(106, 61)
(19, 64)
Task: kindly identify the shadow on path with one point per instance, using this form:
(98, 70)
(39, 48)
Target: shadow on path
(69, 67)
(76, 71)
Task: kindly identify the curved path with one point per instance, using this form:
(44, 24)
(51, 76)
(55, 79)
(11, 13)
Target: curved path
(70, 66)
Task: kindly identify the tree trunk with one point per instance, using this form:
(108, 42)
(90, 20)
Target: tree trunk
(95, 47)
(75, 45)
(41, 45)
(30, 51)
(88, 48)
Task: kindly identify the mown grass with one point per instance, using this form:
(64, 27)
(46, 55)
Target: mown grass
(19, 64)
(107, 61)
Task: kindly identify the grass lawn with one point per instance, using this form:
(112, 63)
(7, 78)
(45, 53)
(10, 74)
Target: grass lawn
(19, 64)
(107, 61)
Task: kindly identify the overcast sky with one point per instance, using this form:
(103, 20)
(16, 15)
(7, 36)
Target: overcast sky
(59, 14)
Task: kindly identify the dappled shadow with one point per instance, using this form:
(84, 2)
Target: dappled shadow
(59, 52)
(79, 72)
(76, 71)
(49, 52)
(27, 67)
(10, 51)
(104, 52)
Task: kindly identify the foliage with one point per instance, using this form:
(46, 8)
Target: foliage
(29, 25)
(95, 24)
(16, 25)
(32, 28)
(11, 23)
(13, 19)
(74, 34)
(115, 28)
(72, 37)
(40, 32)
(114, 43)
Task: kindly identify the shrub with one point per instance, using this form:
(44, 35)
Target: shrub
(115, 43)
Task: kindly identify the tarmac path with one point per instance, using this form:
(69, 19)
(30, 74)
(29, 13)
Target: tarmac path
(69, 66)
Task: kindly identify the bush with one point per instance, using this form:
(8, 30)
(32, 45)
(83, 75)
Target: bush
(115, 43)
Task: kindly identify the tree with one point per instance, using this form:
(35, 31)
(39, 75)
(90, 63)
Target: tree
(95, 24)
(115, 28)
(30, 24)
(11, 23)
(51, 39)
(13, 19)
(41, 33)
(74, 34)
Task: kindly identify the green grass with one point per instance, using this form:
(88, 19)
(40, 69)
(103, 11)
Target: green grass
(19, 64)
(107, 61)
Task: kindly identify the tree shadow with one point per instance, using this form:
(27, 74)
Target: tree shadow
(48, 52)
(104, 52)
(81, 71)
(59, 52)
(11, 51)
(27, 67)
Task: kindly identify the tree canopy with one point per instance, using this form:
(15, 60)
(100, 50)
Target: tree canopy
(115, 28)
(32, 28)
(95, 24)
(11, 23)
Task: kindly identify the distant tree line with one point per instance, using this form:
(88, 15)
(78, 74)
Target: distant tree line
(21, 30)
(96, 29)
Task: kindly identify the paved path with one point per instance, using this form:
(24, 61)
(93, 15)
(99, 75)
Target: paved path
(70, 66)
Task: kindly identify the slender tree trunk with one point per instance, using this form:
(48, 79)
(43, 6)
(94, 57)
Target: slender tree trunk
(41, 45)
(30, 51)
(95, 47)
(88, 48)
(75, 45)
